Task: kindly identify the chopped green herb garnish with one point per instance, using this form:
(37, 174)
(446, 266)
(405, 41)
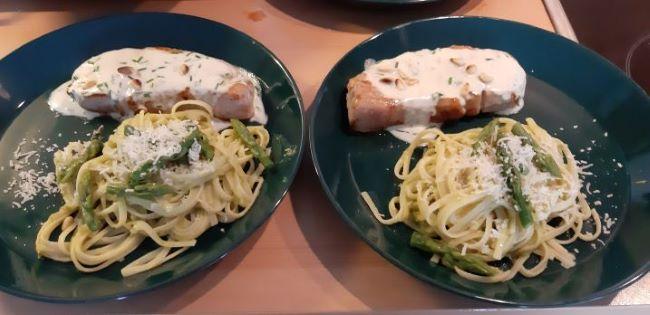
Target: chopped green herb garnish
(149, 81)
(147, 94)
(450, 80)
(142, 69)
(137, 60)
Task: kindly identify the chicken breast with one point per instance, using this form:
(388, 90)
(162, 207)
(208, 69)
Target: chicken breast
(435, 86)
(125, 81)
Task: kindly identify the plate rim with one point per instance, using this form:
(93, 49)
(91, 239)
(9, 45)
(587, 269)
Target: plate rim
(291, 175)
(315, 105)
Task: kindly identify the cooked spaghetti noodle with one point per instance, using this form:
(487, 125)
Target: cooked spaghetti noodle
(469, 192)
(166, 177)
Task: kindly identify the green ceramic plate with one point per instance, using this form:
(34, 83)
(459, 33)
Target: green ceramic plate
(26, 77)
(572, 92)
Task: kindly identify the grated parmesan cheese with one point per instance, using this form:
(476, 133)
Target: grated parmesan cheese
(153, 144)
(194, 152)
(536, 185)
(28, 182)
(608, 222)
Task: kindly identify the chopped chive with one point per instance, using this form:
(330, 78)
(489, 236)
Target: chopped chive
(147, 94)
(450, 80)
(137, 60)
(142, 69)
(149, 81)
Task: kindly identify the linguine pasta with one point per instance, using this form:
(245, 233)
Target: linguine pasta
(462, 197)
(165, 177)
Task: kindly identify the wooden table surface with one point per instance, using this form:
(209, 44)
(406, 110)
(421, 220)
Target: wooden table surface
(304, 259)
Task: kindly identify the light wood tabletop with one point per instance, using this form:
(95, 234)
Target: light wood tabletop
(304, 259)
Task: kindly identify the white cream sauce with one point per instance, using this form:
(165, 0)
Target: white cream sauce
(407, 133)
(62, 103)
(219, 124)
(161, 75)
(419, 79)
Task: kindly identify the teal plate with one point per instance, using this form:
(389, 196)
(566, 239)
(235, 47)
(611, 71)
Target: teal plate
(26, 77)
(572, 92)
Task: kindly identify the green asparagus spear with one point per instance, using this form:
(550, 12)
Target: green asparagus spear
(87, 213)
(207, 151)
(447, 261)
(138, 176)
(87, 202)
(427, 244)
(145, 191)
(451, 257)
(246, 137)
(472, 263)
(487, 133)
(68, 172)
(513, 180)
(542, 160)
